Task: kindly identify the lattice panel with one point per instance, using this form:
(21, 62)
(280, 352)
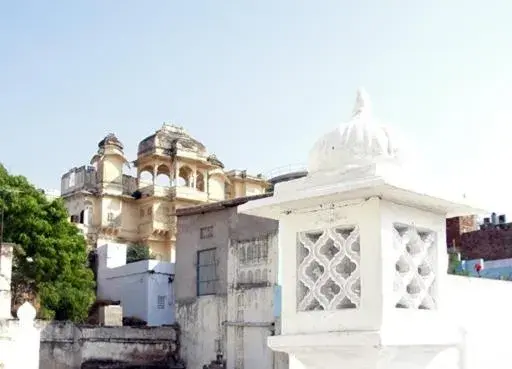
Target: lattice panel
(415, 274)
(328, 271)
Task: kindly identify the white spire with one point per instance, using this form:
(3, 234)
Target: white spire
(363, 103)
(362, 142)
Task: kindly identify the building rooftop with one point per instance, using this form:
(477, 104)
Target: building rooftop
(207, 208)
(169, 138)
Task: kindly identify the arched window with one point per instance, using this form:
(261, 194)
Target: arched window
(185, 176)
(200, 182)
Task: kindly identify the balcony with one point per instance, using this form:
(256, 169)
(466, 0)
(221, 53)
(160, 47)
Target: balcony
(156, 226)
(178, 193)
(154, 190)
(189, 194)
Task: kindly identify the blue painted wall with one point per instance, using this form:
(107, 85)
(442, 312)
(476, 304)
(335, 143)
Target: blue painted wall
(496, 269)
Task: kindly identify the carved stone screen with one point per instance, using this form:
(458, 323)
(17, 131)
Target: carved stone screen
(328, 274)
(415, 275)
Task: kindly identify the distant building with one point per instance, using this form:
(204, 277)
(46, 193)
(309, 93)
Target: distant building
(51, 194)
(226, 286)
(174, 170)
(490, 240)
(144, 288)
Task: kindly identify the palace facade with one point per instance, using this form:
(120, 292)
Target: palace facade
(174, 170)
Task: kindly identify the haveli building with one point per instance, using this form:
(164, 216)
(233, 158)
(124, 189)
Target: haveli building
(174, 170)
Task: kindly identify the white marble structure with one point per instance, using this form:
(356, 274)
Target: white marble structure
(367, 245)
(19, 338)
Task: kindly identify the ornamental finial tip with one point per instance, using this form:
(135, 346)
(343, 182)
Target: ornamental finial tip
(363, 102)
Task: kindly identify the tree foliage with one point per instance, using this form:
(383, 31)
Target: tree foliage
(137, 252)
(50, 263)
(455, 265)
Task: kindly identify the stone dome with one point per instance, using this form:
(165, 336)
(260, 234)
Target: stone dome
(169, 138)
(110, 139)
(215, 161)
(359, 143)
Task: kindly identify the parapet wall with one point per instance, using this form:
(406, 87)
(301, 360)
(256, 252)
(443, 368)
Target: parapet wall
(65, 345)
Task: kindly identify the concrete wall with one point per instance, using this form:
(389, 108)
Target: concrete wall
(82, 178)
(239, 318)
(143, 287)
(203, 333)
(189, 242)
(492, 269)
(252, 275)
(482, 307)
(67, 346)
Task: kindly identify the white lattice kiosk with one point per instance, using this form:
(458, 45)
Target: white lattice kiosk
(363, 257)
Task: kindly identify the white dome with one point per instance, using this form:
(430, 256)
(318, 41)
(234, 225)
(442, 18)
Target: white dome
(358, 143)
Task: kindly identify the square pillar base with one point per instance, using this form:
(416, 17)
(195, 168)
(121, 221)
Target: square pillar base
(370, 350)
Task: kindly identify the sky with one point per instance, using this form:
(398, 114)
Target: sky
(258, 81)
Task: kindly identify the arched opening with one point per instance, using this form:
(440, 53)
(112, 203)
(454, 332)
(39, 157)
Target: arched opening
(82, 217)
(146, 177)
(163, 176)
(200, 182)
(250, 278)
(184, 176)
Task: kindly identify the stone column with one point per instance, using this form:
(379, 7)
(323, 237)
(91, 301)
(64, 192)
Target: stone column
(366, 257)
(6, 256)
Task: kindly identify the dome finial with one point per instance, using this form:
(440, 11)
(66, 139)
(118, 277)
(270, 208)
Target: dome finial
(363, 103)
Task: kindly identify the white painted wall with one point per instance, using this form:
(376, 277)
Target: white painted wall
(142, 287)
(19, 340)
(482, 307)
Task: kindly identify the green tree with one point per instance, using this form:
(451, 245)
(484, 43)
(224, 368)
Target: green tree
(454, 265)
(136, 252)
(50, 263)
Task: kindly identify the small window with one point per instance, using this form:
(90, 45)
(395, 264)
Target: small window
(110, 217)
(206, 272)
(160, 304)
(206, 232)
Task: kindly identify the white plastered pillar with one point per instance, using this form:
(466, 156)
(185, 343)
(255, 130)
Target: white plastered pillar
(366, 258)
(6, 258)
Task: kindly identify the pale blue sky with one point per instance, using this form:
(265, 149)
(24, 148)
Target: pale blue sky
(257, 81)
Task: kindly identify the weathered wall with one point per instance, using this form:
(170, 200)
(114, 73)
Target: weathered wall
(493, 243)
(239, 318)
(201, 322)
(457, 226)
(65, 345)
(488, 244)
(252, 276)
(189, 242)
